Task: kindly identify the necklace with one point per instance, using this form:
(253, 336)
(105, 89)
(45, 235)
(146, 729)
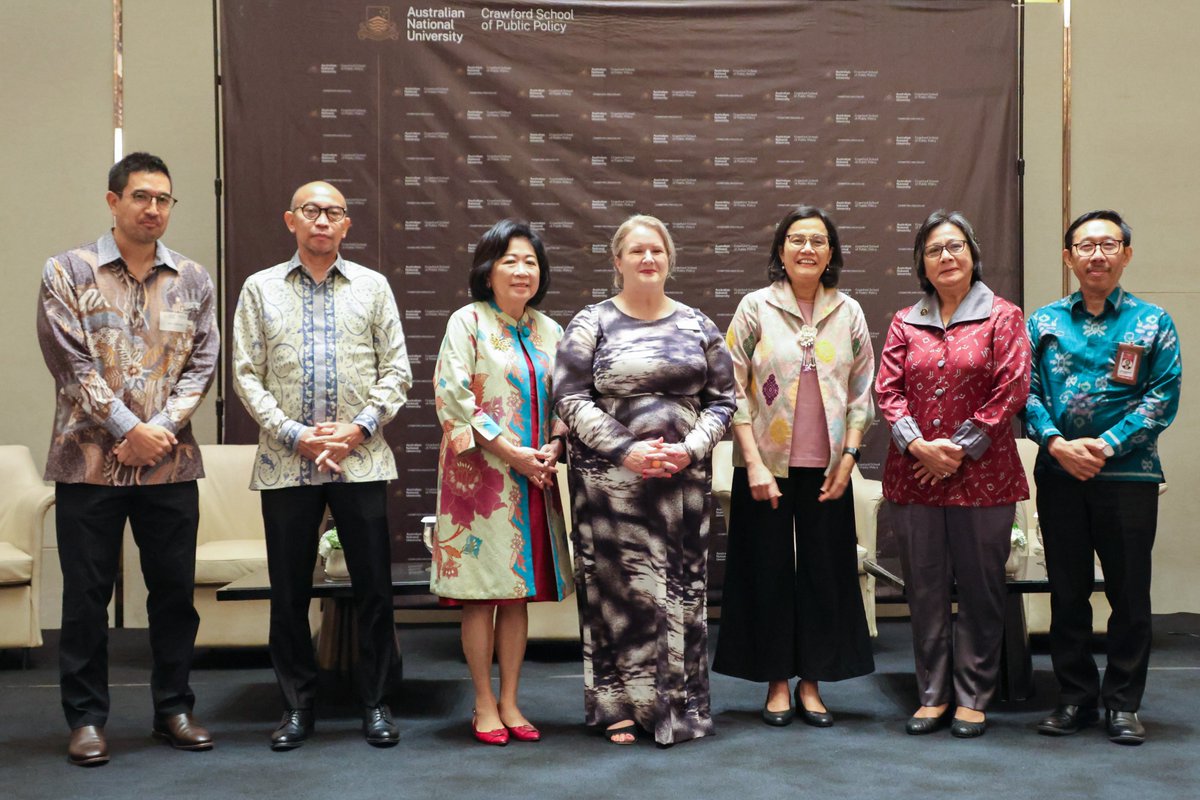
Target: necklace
(806, 339)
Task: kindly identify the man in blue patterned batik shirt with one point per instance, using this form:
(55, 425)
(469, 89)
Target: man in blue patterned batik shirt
(1106, 380)
(320, 363)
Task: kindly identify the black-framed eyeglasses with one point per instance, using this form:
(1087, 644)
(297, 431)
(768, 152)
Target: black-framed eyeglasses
(798, 240)
(1110, 247)
(143, 198)
(954, 247)
(312, 212)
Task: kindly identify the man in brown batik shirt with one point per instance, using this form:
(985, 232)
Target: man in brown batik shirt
(127, 329)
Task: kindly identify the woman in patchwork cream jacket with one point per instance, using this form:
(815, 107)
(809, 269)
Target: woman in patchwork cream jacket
(803, 363)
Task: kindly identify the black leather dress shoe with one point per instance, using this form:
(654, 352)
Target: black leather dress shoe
(961, 729)
(919, 726)
(182, 732)
(1124, 727)
(778, 718)
(88, 747)
(379, 728)
(1068, 719)
(294, 728)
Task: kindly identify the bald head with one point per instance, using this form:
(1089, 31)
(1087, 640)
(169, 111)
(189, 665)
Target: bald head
(325, 190)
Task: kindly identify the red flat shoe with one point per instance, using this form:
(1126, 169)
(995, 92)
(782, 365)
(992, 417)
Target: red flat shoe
(525, 733)
(498, 737)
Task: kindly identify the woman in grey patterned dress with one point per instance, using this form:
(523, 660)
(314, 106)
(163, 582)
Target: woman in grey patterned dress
(645, 385)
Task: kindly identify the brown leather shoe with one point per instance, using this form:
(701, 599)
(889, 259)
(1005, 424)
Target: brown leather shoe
(88, 747)
(182, 732)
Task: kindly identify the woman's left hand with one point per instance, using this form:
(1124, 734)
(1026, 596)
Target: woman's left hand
(551, 452)
(837, 480)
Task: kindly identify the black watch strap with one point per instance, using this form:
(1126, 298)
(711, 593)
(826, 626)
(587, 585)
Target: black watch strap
(853, 452)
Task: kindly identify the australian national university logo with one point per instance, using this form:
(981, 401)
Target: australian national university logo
(379, 26)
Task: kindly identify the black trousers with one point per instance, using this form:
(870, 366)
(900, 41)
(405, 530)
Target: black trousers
(791, 604)
(90, 525)
(292, 517)
(1117, 521)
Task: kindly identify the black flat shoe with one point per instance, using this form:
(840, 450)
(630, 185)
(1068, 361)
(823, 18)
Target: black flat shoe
(919, 726)
(1067, 719)
(379, 728)
(778, 718)
(961, 729)
(817, 719)
(295, 727)
(1124, 727)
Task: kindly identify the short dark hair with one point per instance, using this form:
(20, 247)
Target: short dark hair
(118, 176)
(494, 244)
(941, 217)
(1106, 214)
(775, 269)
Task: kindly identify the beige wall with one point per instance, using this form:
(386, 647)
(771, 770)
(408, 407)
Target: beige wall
(1133, 67)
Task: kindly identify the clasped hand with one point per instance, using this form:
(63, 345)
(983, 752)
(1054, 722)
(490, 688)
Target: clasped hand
(144, 444)
(937, 460)
(538, 465)
(1082, 458)
(328, 443)
(655, 459)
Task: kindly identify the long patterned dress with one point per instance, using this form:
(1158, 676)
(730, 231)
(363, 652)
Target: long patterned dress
(641, 546)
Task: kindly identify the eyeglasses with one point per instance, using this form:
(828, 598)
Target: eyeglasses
(817, 241)
(1110, 247)
(143, 199)
(312, 212)
(954, 247)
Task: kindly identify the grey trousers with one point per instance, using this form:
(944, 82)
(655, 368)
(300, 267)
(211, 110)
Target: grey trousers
(959, 549)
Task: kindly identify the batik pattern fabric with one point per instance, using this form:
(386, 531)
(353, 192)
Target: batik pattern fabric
(1072, 394)
(963, 381)
(641, 546)
(764, 339)
(121, 352)
(306, 353)
(483, 545)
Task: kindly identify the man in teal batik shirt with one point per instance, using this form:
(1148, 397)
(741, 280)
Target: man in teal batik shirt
(1105, 384)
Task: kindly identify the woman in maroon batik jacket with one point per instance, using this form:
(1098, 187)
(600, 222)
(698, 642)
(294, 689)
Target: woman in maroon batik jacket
(954, 372)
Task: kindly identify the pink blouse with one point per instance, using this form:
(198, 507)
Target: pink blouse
(962, 382)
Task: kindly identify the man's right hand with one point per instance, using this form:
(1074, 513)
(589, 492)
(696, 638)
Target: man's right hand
(145, 444)
(1081, 458)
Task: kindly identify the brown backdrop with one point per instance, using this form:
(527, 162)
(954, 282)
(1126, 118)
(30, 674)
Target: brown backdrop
(437, 119)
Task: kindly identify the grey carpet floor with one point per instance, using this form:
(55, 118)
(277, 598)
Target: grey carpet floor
(865, 755)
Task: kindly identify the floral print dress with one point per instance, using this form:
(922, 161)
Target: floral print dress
(493, 379)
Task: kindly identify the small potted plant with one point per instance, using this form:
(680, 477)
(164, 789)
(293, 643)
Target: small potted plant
(331, 551)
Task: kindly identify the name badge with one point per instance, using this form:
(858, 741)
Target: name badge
(173, 321)
(1127, 363)
(688, 324)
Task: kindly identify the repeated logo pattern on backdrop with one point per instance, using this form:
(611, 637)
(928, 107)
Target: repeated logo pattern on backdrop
(437, 119)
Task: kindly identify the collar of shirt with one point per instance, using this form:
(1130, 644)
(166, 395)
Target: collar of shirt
(976, 305)
(107, 253)
(1114, 300)
(826, 300)
(508, 319)
(338, 266)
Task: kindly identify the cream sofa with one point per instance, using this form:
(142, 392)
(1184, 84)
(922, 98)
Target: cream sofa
(24, 501)
(230, 543)
(868, 496)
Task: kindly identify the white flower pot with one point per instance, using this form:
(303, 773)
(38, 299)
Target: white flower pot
(335, 565)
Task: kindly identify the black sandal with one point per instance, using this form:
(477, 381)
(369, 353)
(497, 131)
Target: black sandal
(630, 729)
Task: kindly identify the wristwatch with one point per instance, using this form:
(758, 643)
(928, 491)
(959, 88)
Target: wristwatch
(853, 452)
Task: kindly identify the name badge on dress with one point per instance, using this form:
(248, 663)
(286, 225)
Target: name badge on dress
(688, 324)
(1127, 363)
(173, 321)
